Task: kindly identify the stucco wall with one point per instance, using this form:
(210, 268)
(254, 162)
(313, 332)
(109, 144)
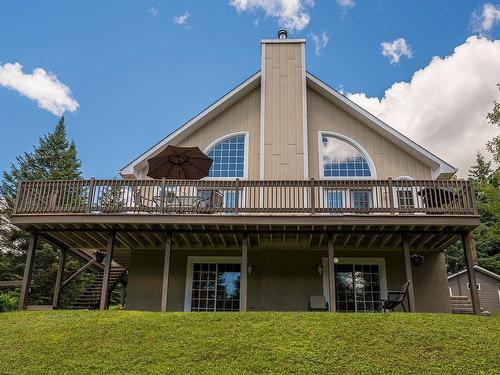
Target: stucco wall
(280, 281)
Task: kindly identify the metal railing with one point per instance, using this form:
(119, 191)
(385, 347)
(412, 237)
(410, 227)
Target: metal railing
(353, 197)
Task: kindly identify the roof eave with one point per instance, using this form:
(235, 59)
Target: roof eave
(440, 168)
(211, 111)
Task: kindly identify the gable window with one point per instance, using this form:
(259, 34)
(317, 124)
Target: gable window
(343, 159)
(228, 157)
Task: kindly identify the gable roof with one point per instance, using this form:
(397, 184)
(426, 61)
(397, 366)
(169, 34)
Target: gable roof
(477, 268)
(196, 122)
(441, 169)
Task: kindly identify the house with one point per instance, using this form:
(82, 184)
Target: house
(487, 285)
(308, 183)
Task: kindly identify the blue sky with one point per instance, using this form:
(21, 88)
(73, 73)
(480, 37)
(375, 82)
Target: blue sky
(136, 74)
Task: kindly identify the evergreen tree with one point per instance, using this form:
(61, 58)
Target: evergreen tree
(481, 171)
(494, 119)
(53, 158)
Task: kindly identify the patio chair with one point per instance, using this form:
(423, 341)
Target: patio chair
(210, 199)
(394, 299)
(318, 303)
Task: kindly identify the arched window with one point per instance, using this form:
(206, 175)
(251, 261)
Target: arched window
(341, 158)
(228, 157)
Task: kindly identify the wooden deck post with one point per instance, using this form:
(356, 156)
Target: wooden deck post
(28, 270)
(166, 272)
(332, 307)
(59, 278)
(244, 274)
(470, 261)
(408, 272)
(107, 270)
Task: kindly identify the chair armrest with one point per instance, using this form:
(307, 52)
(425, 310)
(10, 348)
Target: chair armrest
(395, 292)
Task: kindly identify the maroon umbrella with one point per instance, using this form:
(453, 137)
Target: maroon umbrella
(177, 162)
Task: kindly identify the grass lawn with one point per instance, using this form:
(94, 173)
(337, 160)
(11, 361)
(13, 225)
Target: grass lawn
(119, 342)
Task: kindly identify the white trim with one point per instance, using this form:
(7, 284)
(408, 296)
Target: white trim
(262, 112)
(305, 146)
(354, 144)
(279, 41)
(477, 268)
(129, 169)
(478, 286)
(380, 262)
(439, 166)
(245, 160)
(189, 273)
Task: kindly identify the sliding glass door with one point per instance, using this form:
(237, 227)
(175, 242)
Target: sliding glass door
(357, 287)
(359, 284)
(215, 287)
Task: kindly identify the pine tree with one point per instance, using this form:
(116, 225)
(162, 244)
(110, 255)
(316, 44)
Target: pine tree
(494, 118)
(53, 158)
(481, 171)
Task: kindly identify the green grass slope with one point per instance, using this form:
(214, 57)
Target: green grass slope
(118, 342)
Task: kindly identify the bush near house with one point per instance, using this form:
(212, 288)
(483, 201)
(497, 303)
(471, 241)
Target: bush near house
(8, 302)
(119, 342)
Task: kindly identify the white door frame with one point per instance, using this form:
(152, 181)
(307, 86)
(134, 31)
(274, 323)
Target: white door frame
(380, 262)
(189, 273)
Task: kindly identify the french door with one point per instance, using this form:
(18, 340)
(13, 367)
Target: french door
(214, 286)
(360, 284)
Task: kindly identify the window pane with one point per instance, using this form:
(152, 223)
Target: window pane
(215, 287)
(341, 159)
(228, 158)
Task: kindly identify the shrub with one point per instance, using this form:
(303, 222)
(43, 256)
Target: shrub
(7, 302)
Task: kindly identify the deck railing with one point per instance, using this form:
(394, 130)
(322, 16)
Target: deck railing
(355, 197)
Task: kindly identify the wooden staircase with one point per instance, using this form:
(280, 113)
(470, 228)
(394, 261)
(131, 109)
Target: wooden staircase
(461, 305)
(89, 299)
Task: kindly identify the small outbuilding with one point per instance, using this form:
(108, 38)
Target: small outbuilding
(488, 286)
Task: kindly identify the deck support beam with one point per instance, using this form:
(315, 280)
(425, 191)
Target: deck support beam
(244, 274)
(104, 303)
(408, 272)
(166, 272)
(470, 261)
(28, 270)
(332, 307)
(59, 278)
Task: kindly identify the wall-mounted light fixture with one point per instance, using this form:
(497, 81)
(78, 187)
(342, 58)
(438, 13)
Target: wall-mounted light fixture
(249, 269)
(417, 260)
(320, 269)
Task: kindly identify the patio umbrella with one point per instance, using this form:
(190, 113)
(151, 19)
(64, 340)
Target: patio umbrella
(177, 162)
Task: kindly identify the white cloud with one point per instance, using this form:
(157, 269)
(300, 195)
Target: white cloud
(320, 42)
(344, 4)
(182, 19)
(153, 11)
(395, 49)
(444, 106)
(291, 14)
(483, 20)
(40, 86)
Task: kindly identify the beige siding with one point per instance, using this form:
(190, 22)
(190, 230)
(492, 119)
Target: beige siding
(389, 159)
(284, 85)
(244, 115)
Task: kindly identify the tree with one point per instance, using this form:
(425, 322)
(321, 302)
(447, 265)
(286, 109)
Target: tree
(494, 119)
(481, 171)
(53, 158)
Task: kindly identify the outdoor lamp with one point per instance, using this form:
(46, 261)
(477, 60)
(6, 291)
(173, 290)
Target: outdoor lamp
(320, 269)
(417, 260)
(249, 269)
